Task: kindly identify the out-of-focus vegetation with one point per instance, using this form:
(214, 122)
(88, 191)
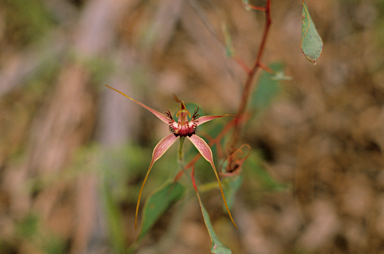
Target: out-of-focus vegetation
(73, 154)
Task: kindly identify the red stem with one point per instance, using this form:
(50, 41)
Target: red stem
(251, 74)
(241, 117)
(258, 8)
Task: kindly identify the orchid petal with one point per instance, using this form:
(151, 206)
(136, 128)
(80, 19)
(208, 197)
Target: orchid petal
(159, 150)
(159, 115)
(206, 152)
(204, 119)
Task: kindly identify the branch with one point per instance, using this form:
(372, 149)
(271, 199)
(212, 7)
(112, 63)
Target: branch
(251, 74)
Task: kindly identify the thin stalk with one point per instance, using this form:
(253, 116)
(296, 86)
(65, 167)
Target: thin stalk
(251, 74)
(180, 152)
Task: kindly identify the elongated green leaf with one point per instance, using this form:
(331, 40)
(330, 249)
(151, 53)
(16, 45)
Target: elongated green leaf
(217, 246)
(311, 43)
(158, 152)
(157, 203)
(206, 152)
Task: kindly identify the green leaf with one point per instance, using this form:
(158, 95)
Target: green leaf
(311, 43)
(280, 75)
(157, 203)
(232, 185)
(262, 177)
(29, 226)
(191, 107)
(217, 246)
(267, 88)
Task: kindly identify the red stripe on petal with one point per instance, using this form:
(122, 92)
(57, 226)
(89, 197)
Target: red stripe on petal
(158, 151)
(202, 147)
(206, 152)
(163, 146)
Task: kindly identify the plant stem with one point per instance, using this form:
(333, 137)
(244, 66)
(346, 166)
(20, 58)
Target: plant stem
(180, 152)
(251, 74)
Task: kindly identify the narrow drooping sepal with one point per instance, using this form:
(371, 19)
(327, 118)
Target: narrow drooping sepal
(204, 119)
(202, 147)
(182, 128)
(159, 150)
(159, 115)
(206, 152)
(163, 146)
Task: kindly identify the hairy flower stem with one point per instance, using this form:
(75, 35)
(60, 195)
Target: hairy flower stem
(180, 152)
(180, 159)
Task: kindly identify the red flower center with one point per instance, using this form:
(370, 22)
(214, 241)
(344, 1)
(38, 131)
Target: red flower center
(183, 127)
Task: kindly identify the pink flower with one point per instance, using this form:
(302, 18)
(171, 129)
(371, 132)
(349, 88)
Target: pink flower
(182, 128)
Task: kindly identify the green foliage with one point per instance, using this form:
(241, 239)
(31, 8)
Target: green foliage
(158, 203)
(267, 88)
(53, 245)
(129, 162)
(119, 169)
(191, 107)
(259, 177)
(30, 229)
(217, 246)
(28, 226)
(207, 131)
(311, 43)
(231, 186)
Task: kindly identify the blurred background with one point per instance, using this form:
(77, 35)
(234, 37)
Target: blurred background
(74, 153)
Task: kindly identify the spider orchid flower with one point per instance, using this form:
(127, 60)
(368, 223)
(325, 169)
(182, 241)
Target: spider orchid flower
(179, 130)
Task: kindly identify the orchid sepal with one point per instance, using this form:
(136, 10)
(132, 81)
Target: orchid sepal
(204, 119)
(180, 129)
(158, 152)
(159, 115)
(206, 152)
